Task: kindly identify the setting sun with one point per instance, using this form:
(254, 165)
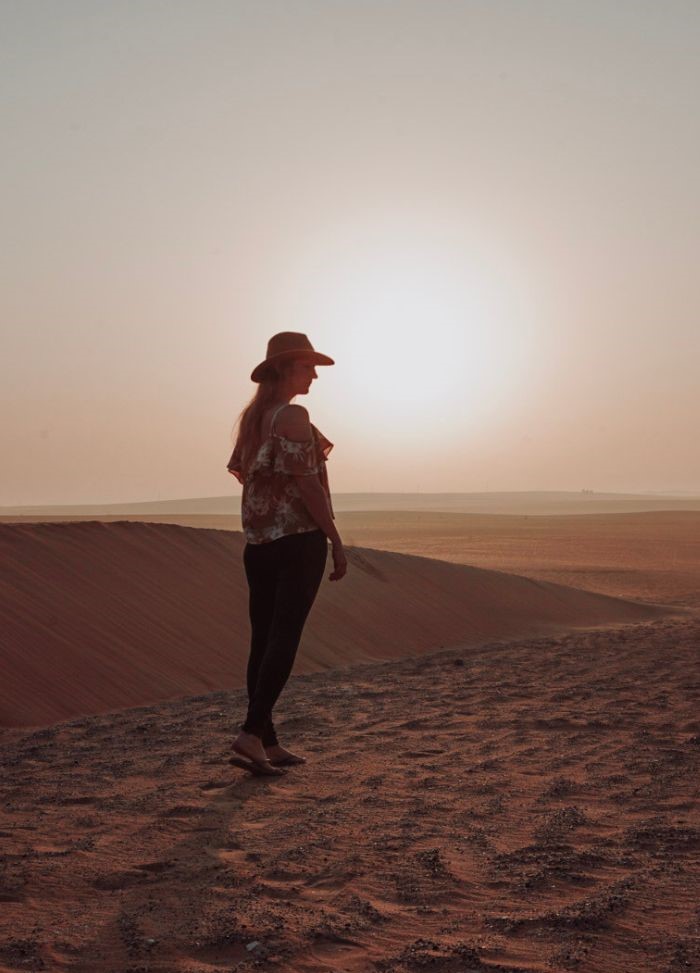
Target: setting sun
(423, 338)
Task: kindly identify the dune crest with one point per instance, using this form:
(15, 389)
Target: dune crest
(100, 616)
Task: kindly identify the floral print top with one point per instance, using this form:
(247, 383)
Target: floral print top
(271, 505)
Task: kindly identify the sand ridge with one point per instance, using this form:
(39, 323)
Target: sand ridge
(642, 555)
(99, 616)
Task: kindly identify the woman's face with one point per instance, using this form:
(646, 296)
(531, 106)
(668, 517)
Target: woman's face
(300, 376)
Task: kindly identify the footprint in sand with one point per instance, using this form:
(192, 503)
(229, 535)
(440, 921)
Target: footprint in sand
(182, 811)
(231, 854)
(215, 785)
(78, 801)
(116, 881)
(155, 868)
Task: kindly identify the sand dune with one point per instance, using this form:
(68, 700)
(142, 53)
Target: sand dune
(648, 556)
(525, 801)
(524, 808)
(99, 616)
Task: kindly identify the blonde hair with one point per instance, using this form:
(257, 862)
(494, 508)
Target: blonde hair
(248, 438)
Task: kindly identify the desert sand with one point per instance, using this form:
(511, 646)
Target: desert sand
(524, 798)
(520, 502)
(626, 552)
(101, 616)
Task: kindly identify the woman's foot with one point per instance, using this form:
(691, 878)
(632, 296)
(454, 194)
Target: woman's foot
(250, 747)
(278, 754)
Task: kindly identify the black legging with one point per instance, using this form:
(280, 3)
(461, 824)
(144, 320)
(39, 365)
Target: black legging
(283, 576)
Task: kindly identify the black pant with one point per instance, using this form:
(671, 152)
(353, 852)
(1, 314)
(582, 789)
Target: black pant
(284, 577)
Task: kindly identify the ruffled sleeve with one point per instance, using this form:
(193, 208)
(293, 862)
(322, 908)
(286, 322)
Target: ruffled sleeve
(234, 466)
(324, 445)
(301, 458)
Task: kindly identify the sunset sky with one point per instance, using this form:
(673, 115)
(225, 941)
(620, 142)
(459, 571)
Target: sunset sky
(487, 212)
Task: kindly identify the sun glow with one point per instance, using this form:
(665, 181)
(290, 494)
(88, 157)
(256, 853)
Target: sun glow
(423, 343)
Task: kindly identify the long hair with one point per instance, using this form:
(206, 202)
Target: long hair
(248, 438)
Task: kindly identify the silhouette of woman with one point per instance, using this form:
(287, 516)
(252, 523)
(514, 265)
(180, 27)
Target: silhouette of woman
(287, 518)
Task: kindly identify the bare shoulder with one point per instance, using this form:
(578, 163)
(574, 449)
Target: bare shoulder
(293, 423)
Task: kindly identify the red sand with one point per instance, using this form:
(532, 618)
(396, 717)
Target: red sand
(101, 616)
(526, 804)
(533, 808)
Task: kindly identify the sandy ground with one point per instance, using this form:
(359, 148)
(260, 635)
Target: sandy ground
(531, 806)
(506, 804)
(652, 556)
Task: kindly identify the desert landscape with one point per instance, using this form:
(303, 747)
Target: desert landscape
(500, 716)
(158, 610)
(422, 275)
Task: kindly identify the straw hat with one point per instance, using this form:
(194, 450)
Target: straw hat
(285, 345)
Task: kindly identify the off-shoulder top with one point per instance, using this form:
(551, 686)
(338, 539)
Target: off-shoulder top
(271, 505)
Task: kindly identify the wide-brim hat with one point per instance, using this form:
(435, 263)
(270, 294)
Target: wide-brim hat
(285, 345)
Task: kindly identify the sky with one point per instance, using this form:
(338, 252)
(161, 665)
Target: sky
(488, 214)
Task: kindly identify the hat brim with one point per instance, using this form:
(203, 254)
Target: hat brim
(260, 371)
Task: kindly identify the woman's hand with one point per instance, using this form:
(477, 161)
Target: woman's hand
(340, 565)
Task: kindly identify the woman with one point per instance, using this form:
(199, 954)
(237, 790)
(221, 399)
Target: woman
(287, 517)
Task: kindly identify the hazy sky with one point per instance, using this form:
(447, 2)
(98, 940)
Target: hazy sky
(487, 212)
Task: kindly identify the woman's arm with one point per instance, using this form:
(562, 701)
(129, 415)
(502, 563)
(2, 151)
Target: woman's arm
(297, 427)
(316, 502)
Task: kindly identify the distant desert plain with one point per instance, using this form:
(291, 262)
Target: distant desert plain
(500, 707)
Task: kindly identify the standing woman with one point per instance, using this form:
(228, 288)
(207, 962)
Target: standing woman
(287, 518)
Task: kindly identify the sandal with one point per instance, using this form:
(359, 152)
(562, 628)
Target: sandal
(253, 764)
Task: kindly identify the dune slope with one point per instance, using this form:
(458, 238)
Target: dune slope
(99, 616)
